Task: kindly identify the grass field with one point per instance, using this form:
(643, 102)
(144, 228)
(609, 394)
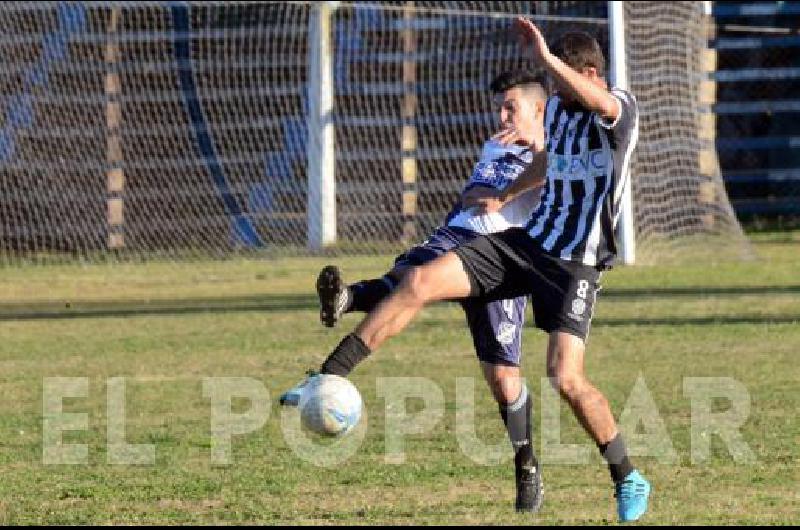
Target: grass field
(164, 328)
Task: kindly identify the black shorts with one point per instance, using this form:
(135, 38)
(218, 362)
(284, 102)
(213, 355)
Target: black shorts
(496, 326)
(511, 264)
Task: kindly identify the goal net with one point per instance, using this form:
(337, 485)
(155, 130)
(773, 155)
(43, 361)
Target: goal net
(176, 130)
(681, 208)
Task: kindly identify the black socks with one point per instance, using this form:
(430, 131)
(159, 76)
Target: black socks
(517, 417)
(346, 356)
(616, 454)
(367, 294)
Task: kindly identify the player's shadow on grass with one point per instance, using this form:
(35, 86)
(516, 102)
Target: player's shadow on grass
(132, 308)
(302, 302)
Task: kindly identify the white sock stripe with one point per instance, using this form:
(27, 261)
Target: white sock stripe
(520, 402)
(344, 301)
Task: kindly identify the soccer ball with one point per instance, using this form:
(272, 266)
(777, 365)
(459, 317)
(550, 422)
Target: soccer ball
(330, 405)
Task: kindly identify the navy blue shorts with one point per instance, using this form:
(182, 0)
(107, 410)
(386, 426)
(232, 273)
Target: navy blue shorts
(496, 326)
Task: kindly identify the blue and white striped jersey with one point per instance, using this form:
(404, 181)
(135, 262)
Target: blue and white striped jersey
(498, 166)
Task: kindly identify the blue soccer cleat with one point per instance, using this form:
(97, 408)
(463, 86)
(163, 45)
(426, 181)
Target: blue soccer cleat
(291, 397)
(632, 494)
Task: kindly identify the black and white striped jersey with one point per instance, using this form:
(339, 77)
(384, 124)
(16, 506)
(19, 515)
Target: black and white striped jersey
(587, 170)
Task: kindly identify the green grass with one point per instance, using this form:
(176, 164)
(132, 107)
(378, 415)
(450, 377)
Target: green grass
(165, 328)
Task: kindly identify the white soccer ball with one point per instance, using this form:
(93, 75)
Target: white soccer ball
(330, 405)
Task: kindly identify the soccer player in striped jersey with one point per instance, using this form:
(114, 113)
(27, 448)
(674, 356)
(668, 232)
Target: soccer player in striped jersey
(558, 257)
(496, 326)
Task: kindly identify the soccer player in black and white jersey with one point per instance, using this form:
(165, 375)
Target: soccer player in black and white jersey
(558, 257)
(495, 326)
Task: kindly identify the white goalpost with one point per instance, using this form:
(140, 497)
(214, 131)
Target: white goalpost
(618, 74)
(321, 156)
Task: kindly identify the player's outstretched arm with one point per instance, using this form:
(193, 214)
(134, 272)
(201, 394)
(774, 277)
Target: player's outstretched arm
(532, 176)
(591, 96)
(473, 196)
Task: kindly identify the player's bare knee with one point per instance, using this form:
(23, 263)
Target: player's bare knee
(505, 388)
(566, 382)
(415, 285)
(497, 392)
(505, 383)
(501, 392)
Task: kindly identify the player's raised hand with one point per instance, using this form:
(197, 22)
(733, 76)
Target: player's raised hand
(506, 136)
(510, 135)
(531, 37)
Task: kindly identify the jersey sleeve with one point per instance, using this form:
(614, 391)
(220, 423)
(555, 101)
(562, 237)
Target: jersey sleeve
(629, 111)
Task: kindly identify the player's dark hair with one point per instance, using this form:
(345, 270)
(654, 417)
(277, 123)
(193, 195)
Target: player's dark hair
(580, 50)
(514, 78)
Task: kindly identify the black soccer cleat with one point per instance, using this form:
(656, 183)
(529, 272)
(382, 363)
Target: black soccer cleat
(530, 490)
(334, 297)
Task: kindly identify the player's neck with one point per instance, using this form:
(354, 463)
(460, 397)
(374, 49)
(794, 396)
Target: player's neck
(538, 141)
